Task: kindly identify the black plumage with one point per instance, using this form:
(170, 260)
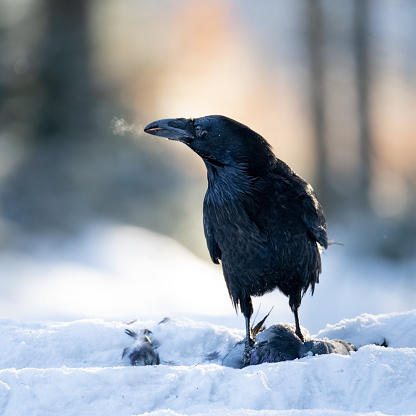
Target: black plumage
(261, 220)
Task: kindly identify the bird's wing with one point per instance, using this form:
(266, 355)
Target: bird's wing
(299, 198)
(313, 216)
(212, 244)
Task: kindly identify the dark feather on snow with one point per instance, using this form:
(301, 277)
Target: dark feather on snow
(143, 351)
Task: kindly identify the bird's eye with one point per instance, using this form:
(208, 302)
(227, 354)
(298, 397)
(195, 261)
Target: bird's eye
(198, 131)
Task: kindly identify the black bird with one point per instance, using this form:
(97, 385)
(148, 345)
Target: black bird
(261, 219)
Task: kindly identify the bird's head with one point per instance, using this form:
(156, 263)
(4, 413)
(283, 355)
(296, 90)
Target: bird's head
(219, 140)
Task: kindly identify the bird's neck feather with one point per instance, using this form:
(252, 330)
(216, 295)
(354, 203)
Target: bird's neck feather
(230, 182)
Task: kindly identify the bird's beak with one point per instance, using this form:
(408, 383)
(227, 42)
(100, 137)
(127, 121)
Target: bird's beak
(180, 129)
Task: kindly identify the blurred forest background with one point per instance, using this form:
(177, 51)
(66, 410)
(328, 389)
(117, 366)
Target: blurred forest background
(332, 85)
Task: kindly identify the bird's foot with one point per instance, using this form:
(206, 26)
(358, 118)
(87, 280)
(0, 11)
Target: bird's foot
(248, 346)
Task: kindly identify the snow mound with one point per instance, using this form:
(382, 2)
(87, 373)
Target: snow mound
(75, 368)
(395, 330)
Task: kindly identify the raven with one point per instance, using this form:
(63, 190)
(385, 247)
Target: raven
(261, 219)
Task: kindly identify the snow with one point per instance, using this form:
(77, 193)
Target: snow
(64, 307)
(367, 329)
(75, 368)
(119, 272)
(108, 272)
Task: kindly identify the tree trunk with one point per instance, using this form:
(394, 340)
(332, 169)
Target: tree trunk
(362, 74)
(315, 23)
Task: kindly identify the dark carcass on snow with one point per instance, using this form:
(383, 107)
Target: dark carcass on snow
(143, 351)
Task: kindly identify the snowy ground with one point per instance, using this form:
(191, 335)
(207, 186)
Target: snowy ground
(63, 305)
(75, 368)
(118, 272)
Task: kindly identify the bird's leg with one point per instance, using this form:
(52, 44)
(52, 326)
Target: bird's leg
(247, 309)
(249, 343)
(298, 331)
